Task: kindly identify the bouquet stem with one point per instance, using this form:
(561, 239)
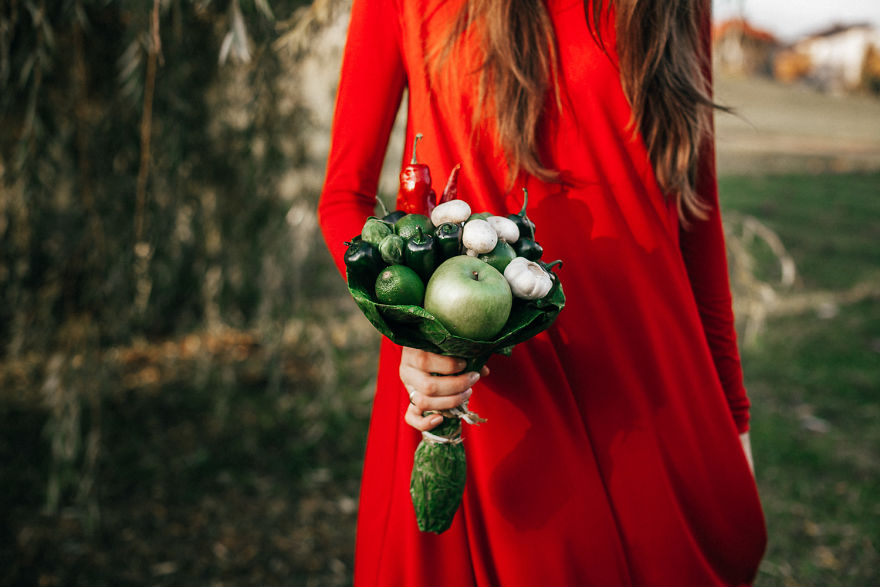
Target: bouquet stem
(439, 471)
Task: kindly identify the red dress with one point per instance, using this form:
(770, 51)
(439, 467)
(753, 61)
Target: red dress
(610, 456)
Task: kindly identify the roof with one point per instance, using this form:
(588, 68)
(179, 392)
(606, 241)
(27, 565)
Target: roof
(836, 29)
(741, 26)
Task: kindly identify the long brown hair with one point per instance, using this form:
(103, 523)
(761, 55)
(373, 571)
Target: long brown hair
(662, 69)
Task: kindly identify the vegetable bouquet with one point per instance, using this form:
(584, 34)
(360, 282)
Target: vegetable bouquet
(456, 283)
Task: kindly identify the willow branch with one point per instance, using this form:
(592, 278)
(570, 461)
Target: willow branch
(147, 123)
(82, 118)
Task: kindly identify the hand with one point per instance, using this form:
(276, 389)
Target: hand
(747, 448)
(434, 383)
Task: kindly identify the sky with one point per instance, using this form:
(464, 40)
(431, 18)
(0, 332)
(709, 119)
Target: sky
(790, 20)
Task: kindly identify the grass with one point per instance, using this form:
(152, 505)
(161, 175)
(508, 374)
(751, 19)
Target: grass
(816, 433)
(829, 223)
(208, 471)
(814, 381)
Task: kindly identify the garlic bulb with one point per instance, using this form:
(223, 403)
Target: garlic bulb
(527, 279)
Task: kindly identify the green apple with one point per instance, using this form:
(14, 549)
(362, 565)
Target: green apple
(469, 297)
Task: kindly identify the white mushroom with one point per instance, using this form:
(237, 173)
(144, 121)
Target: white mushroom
(506, 228)
(452, 211)
(478, 237)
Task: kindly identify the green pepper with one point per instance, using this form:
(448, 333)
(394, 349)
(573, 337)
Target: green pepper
(420, 254)
(375, 230)
(448, 237)
(500, 256)
(528, 248)
(363, 260)
(392, 249)
(526, 226)
(480, 215)
(393, 217)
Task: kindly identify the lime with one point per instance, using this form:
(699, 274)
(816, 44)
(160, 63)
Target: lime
(400, 286)
(407, 227)
(500, 256)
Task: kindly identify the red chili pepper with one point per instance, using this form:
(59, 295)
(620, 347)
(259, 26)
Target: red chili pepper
(415, 194)
(431, 201)
(450, 192)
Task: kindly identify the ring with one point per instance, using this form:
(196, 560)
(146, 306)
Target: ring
(411, 394)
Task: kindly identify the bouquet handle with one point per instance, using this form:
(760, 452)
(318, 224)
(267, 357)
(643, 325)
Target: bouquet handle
(440, 469)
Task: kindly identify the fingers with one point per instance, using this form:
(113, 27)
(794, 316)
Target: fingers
(414, 418)
(427, 403)
(434, 383)
(430, 362)
(436, 386)
(435, 364)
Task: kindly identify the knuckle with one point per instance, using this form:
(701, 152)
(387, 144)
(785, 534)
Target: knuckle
(430, 387)
(453, 402)
(409, 357)
(423, 361)
(417, 423)
(411, 418)
(452, 364)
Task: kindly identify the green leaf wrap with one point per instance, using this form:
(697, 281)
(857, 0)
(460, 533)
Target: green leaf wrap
(438, 477)
(415, 327)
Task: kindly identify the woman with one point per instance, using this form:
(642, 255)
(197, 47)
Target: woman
(611, 454)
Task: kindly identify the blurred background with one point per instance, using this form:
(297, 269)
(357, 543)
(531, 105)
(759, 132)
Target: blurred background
(185, 384)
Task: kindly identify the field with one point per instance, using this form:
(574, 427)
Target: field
(805, 166)
(791, 129)
(814, 377)
(220, 458)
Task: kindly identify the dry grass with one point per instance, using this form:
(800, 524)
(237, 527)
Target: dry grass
(780, 128)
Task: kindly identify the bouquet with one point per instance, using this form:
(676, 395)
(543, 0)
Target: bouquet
(455, 283)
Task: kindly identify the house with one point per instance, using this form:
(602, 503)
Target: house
(738, 48)
(839, 58)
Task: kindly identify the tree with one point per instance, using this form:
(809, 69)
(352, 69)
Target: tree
(143, 152)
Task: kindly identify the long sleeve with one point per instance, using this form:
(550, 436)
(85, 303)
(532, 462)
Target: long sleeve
(705, 256)
(703, 249)
(371, 86)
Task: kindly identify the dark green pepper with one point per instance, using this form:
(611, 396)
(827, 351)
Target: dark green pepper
(375, 230)
(528, 248)
(420, 254)
(393, 217)
(480, 215)
(526, 226)
(363, 261)
(500, 256)
(392, 249)
(448, 237)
